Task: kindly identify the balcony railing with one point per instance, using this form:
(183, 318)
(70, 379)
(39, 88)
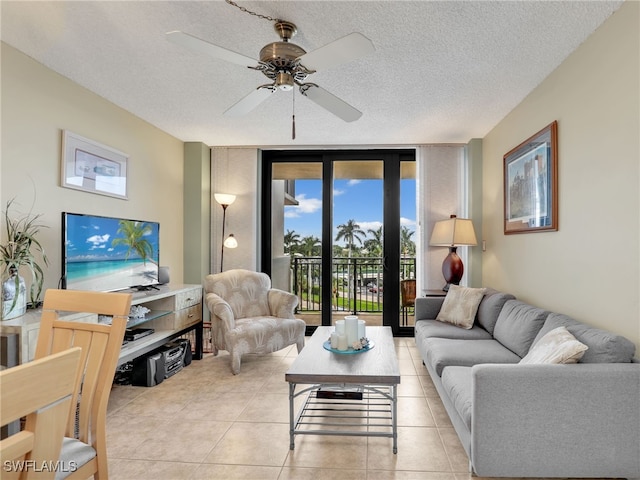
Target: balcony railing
(357, 283)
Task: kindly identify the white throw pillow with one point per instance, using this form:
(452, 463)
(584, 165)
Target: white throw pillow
(460, 306)
(557, 346)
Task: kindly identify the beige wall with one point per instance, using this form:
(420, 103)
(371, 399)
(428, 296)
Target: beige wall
(37, 104)
(440, 169)
(235, 171)
(590, 268)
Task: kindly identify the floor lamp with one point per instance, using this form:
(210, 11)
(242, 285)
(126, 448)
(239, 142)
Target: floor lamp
(229, 242)
(224, 199)
(453, 233)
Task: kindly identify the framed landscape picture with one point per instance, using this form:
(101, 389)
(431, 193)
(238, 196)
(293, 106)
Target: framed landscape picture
(93, 167)
(531, 184)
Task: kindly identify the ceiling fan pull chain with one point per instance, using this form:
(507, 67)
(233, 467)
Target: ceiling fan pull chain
(245, 10)
(293, 119)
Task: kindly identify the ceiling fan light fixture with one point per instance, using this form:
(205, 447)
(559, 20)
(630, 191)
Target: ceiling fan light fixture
(284, 81)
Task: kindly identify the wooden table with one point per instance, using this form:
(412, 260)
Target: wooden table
(373, 375)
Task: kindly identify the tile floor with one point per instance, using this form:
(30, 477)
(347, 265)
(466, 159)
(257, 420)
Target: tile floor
(205, 423)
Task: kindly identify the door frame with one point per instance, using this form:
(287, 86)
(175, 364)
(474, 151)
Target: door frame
(392, 159)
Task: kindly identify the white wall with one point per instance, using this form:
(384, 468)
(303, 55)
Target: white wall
(37, 104)
(590, 268)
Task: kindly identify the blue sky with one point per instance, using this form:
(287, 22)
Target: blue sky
(359, 200)
(88, 238)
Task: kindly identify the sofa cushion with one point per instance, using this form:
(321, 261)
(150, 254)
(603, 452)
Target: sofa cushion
(604, 347)
(435, 328)
(557, 346)
(517, 326)
(490, 308)
(458, 384)
(427, 308)
(460, 306)
(444, 352)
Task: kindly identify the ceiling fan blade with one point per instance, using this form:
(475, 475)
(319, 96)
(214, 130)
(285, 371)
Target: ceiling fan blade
(340, 51)
(330, 102)
(202, 46)
(248, 103)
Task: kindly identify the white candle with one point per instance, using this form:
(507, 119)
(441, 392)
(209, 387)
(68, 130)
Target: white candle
(340, 327)
(351, 327)
(361, 329)
(334, 340)
(342, 343)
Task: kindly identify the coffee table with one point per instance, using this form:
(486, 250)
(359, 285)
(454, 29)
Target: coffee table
(352, 394)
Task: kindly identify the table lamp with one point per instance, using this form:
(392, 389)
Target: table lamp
(453, 233)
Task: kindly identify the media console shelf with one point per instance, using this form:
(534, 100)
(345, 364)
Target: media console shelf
(175, 310)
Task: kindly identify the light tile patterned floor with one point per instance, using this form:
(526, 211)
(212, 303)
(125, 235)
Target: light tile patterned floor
(206, 423)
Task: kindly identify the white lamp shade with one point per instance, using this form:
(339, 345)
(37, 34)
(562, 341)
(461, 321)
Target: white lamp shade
(231, 242)
(224, 198)
(453, 232)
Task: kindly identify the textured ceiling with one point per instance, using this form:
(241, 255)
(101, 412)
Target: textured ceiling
(442, 72)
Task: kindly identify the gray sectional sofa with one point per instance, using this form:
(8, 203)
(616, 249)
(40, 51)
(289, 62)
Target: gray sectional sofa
(541, 420)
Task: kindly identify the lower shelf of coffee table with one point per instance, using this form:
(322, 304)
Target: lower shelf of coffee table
(347, 410)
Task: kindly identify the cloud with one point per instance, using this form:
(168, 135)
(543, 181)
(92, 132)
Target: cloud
(353, 181)
(305, 206)
(407, 222)
(366, 226)
(337, 193)
(98, 240)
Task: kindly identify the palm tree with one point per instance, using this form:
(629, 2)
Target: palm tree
(291, 239)
(349, 232)
(374, 245)
(309, 246)
(133, 234)
(407, 246)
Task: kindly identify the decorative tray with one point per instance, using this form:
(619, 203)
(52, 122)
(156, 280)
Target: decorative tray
(350, 351)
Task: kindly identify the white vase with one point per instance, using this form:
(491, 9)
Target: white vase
(9, 309)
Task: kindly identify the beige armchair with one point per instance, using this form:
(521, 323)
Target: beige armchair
(248, 316)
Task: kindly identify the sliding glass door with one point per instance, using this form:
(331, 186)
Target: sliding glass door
(333, 233)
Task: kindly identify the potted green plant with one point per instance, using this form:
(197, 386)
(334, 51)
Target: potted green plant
(19, 252)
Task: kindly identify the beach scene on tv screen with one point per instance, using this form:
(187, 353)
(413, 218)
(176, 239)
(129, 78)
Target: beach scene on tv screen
(107, 254)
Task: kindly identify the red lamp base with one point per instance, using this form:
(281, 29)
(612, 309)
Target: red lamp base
(452, 269)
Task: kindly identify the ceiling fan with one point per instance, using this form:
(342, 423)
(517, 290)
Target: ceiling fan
(287, 65)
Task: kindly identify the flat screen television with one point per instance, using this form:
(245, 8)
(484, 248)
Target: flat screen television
(107, 254)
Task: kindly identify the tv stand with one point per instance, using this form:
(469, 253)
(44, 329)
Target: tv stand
(175, 310)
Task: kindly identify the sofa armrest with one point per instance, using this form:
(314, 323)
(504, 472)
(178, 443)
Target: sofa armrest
(427, 308)
(582, 419)
(282, 304)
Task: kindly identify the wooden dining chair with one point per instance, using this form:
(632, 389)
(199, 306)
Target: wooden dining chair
(42, 392)
(85, 439)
